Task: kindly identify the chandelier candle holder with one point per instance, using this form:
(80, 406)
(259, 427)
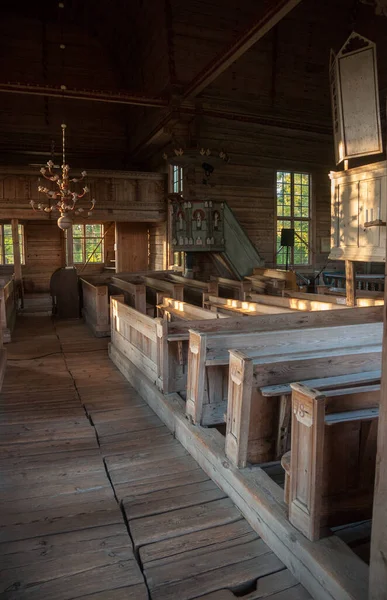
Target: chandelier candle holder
(63, 200)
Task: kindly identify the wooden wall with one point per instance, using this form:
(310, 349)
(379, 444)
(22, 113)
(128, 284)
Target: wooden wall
(158, 246)
(44, 253)
(132, 247)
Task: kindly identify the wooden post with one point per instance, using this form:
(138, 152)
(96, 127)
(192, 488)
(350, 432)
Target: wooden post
(350, 283)
(69, 246)
(378, 559)
(17, 259)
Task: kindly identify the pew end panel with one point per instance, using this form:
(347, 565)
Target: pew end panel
(333, 457)
(95, 309)
(135, 336)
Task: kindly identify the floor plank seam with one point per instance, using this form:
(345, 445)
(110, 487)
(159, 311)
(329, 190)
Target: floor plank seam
(126, 507)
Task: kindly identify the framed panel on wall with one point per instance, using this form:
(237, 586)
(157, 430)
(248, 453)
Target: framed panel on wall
(355, 99)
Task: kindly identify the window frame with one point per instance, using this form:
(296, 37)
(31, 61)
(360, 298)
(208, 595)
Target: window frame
(176, 179)
(22, 245)
(292, 219)
(84, 238)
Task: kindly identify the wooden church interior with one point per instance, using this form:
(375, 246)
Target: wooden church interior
(192, 287)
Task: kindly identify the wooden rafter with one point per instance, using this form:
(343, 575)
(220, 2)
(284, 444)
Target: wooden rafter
(131, 98)
(277, 11)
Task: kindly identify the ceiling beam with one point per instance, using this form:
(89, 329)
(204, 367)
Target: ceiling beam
(277, 11)
(128, 98)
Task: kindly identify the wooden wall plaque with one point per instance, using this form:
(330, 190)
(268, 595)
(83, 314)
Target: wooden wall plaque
(355, 99)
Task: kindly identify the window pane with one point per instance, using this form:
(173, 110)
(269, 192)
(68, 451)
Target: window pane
(93, 253)
(301, 241)
(93, 230)
(78, 230)
(293, 199)
(78, 251)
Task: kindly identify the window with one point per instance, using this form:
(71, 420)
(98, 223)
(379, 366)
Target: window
(177, 188)
(88, 243)
(177, 179)
(293, 212)
(6, 245)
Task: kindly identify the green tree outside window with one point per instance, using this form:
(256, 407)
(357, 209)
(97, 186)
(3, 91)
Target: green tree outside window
(88, 243)
(293, 212)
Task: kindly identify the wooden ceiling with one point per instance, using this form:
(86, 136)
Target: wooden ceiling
(189, 58)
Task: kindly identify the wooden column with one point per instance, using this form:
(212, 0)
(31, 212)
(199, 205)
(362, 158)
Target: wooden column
(350, 283)
(17, 259)
(378, 561)
(69, 248)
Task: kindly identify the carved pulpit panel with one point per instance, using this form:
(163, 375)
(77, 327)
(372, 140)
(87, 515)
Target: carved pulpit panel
(355, 99)
(197, 225)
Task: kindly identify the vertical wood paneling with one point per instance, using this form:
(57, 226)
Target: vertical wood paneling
(131, 247)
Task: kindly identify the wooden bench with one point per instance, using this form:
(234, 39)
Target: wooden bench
(283, 392)
(157, 346)
(242, 307)
(163, 287)
(372, 298)
(96, 292)
(175, 309)
(296, 303)
(194, 289)
(208, 357)
(135, 335)
(8, 308)
(230, 287)
(272, 280)
(333, 456)
(257, 424)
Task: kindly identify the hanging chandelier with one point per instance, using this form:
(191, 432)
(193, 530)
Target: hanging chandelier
(64, 200)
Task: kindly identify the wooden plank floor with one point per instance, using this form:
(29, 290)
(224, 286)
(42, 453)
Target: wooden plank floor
(77, 445)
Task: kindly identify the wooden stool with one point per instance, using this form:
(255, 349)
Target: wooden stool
(285, 464)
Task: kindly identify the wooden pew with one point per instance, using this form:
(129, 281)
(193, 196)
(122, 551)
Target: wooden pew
(230, 287)
(96, 292)
(208, 357)
(273, 279)
(157, 346)
(333, 456)
(283, 394)
(242, 307)
(164, 288)
(173, 309)
(134, 292)
(194, 289)
(135, 336)
(295, 303)
(95, 309)
(8, 308)
(256, 423)
(361, 300)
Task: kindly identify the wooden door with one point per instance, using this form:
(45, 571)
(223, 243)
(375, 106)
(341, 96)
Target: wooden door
(131, 247)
